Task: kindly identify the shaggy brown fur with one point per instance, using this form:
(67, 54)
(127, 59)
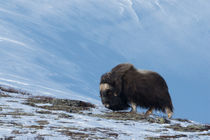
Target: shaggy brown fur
(109, 99)
(126, 85)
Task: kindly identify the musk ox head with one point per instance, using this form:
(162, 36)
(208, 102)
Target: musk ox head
(109, 96)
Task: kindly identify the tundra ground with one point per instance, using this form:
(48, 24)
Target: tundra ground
(23, 116)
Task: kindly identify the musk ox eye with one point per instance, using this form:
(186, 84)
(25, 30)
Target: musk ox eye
(106, 93)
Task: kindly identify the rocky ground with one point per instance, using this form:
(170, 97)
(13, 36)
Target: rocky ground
(23, 116)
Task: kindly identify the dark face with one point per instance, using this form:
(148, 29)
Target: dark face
(110, 99)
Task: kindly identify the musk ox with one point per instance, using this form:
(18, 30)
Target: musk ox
(127, 86)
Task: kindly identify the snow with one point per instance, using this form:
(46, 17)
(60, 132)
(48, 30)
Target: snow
(61, 48)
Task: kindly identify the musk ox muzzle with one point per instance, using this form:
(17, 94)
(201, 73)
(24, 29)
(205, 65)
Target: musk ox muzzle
(126, 86)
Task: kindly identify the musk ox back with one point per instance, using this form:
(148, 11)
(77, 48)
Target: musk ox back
(125, 85)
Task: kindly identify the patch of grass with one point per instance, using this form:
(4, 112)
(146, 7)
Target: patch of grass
(12, 90)
(183, 120)
(205, 134)
(63, 115)
(89, 133)
(166, 137)
(189, 128)
(4, 94)
(18, 132)
(8, 138)
(34, 126)
(12, 101)
(130, 116)
(43, 112)
(42, 122)
(73, 106)
(16, 113)
(74, 135)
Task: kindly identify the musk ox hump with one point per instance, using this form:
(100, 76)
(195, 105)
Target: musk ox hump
(116, 75)
(122, 68)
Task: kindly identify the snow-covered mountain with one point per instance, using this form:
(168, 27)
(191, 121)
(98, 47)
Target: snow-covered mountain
(61, 48)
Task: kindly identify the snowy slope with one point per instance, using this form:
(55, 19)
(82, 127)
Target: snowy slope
(61, 48)
(23, 116)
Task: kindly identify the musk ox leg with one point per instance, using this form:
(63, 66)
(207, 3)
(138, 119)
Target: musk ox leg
(169, 112)
(133, 107)
(149, 111)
